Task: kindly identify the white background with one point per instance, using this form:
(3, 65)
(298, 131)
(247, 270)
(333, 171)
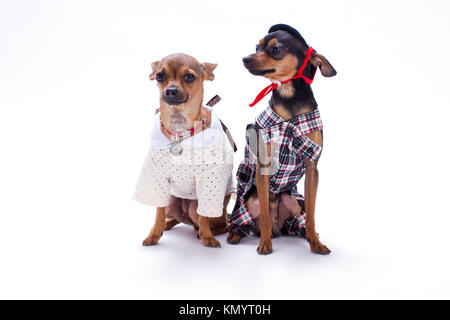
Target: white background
(76, 110)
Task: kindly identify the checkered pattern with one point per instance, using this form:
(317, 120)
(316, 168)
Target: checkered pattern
(292, 145)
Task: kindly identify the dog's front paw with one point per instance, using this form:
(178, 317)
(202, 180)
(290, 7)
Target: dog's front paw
(151, 240)
(233, 238)
(318, 247)
(265, 247)
(210, 242)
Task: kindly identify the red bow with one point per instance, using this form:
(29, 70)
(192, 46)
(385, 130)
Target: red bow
(276, 84)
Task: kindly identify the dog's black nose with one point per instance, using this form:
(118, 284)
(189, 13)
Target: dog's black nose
(247, 60)
(171, 92)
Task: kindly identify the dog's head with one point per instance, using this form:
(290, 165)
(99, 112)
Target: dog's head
(180, 80)
(280, 54)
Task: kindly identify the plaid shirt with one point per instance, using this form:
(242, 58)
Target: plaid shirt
(291, 145)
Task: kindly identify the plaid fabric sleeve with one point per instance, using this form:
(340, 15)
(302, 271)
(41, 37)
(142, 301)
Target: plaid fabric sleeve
(306, 147)
(296, 129)
(241, 221)
(294, 226)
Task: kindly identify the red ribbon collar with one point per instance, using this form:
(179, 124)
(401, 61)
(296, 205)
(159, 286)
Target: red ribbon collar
(276, 84)
(185, 133)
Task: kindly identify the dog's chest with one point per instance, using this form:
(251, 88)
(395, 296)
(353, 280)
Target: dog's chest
(180, 170)
(289, 146)
(287, 168)
(195, 171)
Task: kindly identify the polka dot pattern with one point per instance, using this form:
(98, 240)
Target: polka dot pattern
(198, 173)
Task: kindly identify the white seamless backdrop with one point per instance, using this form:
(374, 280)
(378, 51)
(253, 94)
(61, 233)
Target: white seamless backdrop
(76, 110)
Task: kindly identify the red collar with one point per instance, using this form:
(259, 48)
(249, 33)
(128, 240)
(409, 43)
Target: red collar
(276, 84)
(185, 133)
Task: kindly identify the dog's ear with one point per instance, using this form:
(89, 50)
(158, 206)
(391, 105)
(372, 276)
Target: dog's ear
(208, 69)
(154, 70)
(318, 60)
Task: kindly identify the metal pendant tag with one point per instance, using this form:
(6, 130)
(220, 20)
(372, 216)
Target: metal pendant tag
(175, 148)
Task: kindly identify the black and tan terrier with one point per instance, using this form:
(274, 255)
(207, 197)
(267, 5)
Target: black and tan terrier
(268, 202)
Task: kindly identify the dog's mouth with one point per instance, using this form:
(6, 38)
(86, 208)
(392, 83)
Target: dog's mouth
(175, 101)
(257, 72)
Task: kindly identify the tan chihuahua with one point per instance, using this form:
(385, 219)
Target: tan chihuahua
(191, 192)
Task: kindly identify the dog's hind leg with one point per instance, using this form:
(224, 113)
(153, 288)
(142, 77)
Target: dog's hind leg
(177, 212)
(170, 223)
(233, 238)
(220, 225)
(219, 230)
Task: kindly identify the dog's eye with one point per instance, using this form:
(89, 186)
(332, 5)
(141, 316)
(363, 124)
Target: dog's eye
(189, 77)
(159, 76)
(275, 50)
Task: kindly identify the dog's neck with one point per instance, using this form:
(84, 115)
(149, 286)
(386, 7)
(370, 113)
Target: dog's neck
(293, 99)
(191, 119)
